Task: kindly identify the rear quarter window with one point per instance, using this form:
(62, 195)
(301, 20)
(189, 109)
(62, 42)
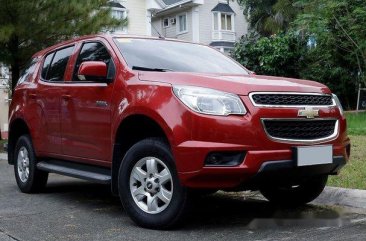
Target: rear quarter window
(27, 71)
(46, 65)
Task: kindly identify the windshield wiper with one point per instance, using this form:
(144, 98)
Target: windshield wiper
(151, 69)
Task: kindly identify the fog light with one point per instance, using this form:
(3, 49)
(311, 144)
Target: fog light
(228, 159)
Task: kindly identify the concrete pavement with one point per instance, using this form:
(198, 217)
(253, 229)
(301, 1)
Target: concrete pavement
(71, 209)
(3, 156)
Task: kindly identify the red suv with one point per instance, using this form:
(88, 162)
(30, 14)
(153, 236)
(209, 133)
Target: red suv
(160, 119)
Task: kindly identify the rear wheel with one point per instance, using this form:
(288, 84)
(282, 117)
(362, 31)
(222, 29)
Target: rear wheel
(295, 195)
(28, 177)
(149, 187)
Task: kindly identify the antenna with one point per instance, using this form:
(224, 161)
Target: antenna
(160, 36)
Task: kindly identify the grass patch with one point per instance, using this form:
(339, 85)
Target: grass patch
(356, 123)
(353, 175)
(2, 145)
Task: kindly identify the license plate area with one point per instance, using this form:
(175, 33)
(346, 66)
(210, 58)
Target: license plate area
(313, 155)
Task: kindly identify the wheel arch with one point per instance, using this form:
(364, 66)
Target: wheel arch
(135, 127)
(17, 128)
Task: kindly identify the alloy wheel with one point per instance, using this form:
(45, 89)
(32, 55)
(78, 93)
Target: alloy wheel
(23, 164)
(151, 185)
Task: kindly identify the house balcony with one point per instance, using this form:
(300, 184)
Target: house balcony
(223, 35)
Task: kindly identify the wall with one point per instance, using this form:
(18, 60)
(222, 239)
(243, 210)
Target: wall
(137, 16)
(157, 26)
(241, 24)
(4, 109)
(171, 31)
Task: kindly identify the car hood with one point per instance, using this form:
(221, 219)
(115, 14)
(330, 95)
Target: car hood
(241, 85)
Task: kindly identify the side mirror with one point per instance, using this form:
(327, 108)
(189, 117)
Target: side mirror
(93, 71)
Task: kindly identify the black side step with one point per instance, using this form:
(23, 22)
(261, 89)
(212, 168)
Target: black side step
(86, 172)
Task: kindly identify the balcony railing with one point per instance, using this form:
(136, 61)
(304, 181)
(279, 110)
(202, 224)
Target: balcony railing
(223, 35)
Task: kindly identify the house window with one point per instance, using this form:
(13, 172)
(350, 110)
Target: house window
(166, 22)
(223, 21)
(182, 23)
(119, 14)
(216, 21)
(226, 22)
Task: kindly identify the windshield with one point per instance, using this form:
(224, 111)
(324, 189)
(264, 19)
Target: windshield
(163, 55)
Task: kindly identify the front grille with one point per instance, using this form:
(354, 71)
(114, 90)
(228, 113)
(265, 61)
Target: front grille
(300, 130)
(292, 99)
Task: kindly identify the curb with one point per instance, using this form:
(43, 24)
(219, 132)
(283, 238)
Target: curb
(353, 198)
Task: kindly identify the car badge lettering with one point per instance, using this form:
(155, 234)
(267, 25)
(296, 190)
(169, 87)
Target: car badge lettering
(308, 112)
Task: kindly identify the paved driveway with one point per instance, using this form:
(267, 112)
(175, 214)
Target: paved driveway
(76, 210)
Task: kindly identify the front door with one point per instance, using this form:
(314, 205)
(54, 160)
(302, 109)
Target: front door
(86, 110)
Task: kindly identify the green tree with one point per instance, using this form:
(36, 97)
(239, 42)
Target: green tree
(339, 56)
(27, 26)
(279, 55)
(269, 17)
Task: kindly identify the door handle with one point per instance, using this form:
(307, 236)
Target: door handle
(101, 103)
(32, 96)
(66, 97)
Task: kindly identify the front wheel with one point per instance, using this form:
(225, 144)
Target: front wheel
(149, 187)
(28, 177)
(295, 195)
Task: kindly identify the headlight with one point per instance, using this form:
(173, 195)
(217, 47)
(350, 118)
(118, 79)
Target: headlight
(338, 104)
(209, 101)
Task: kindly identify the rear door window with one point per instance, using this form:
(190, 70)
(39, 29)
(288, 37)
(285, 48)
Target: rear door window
(56, 71)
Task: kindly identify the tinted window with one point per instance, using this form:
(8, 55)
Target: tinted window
(27, 71)
(46, 65)
(176, 56)
(57, 69)
(92, 52)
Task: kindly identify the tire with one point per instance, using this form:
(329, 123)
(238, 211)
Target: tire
(148, 170)
(294, 196)
(28, 177)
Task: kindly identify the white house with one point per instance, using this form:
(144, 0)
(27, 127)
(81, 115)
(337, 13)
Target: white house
(218, 23)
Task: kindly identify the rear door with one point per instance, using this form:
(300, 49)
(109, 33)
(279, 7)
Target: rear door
(49, 91)
(86, 110)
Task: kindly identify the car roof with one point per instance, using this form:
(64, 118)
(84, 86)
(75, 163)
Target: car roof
(106, 36)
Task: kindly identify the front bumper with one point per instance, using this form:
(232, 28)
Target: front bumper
(257, 168)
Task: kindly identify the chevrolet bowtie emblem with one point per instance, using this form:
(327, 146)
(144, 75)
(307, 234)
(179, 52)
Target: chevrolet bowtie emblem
(308, 112)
